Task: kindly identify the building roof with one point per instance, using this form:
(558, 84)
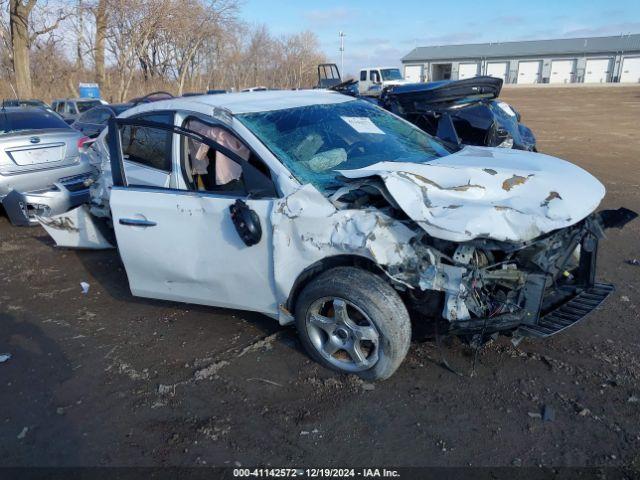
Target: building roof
(560, 46)
(248, 102)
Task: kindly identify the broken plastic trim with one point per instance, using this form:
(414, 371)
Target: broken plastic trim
(447, 130)
(16, 207)
(617, 218)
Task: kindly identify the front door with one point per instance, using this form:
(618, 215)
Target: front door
(182, 244)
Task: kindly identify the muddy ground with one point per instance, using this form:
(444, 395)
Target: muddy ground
(109, 379)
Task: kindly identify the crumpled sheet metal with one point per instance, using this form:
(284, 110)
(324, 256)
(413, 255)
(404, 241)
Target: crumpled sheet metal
(506, 195)
(308, 228)
(101, 188)
(448, 279)
(76, 228)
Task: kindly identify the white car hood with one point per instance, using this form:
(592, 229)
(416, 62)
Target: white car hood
(506, 195)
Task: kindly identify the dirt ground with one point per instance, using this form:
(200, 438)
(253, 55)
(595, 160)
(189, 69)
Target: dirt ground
(109, 379)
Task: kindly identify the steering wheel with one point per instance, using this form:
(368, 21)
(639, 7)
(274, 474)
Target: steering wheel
(355, 146)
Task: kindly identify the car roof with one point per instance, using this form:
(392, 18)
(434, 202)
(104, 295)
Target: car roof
(23, 109)
(21, 100)
(85, 99)
(249, 102)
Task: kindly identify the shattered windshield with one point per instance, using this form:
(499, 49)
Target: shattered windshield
(391, 74)
(315, 141)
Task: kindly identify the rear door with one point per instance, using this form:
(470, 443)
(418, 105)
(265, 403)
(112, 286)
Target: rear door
(148, 152)
(183, 244)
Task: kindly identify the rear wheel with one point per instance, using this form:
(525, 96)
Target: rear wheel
(352, 321)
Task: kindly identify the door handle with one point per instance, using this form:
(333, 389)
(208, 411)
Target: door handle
(137, 222)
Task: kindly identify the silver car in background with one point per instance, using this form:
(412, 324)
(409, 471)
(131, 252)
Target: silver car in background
(71, 108)
(41, 169)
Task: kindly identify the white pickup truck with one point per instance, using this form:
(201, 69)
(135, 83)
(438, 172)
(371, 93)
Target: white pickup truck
(374, 79)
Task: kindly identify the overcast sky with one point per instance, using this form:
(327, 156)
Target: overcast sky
(381, 32)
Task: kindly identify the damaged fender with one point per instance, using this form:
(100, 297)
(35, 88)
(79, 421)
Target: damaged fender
(77, 228)
(308, 228)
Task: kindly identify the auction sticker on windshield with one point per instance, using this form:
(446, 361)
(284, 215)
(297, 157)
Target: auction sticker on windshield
(362, 125)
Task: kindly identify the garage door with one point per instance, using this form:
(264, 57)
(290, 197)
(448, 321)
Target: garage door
(630, 70)
(413, 73)
(529, 72)
(467, 70)
(498, 70)
(596, 70)
(561, 71)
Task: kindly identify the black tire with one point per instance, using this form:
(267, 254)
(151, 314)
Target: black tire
(375, 298)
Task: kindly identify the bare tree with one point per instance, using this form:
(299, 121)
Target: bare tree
(19, 13)
(187, 32)
(131, 27)
(23, 34)
(101, 33)
(140, 46)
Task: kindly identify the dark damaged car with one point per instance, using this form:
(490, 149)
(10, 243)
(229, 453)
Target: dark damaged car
(329, 212)
(467, 112)
(461, 111)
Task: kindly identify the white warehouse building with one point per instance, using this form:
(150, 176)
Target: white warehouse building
(568, 60)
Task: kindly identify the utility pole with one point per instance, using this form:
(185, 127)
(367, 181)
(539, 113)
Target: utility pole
(80, 33)
(342, 35)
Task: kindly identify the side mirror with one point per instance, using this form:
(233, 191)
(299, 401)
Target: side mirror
(247, 223)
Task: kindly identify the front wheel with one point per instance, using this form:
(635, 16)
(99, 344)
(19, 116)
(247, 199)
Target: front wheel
(352, 321)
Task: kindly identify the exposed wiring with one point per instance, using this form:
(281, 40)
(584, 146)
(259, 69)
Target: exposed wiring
(477, 348)
(443, 360)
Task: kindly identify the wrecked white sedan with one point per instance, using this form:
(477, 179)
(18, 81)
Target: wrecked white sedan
(319, 209)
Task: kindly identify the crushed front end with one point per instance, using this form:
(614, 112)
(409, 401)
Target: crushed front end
(536, 288)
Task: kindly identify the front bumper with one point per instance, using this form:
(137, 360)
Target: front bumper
(553, 303)
(65, 194)
(577, 304)
(581, 304)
